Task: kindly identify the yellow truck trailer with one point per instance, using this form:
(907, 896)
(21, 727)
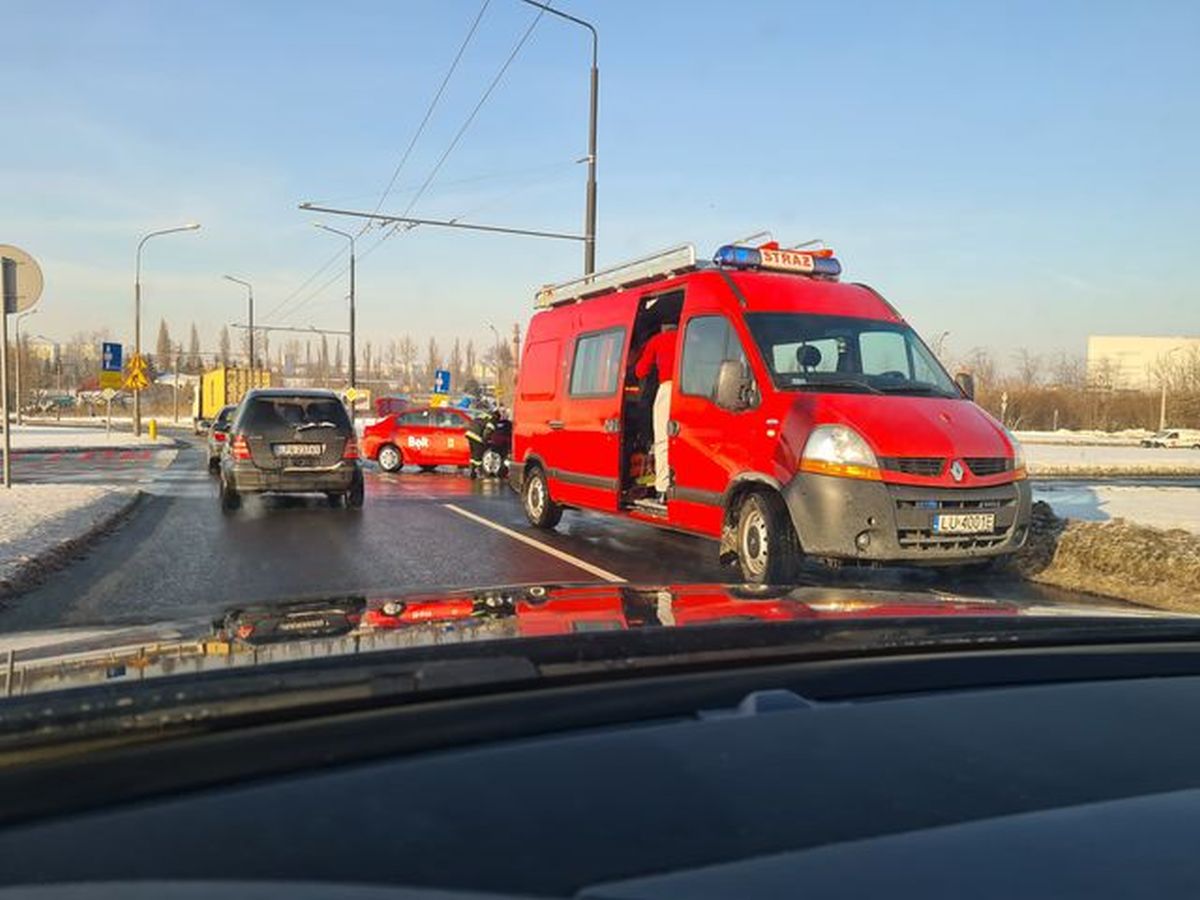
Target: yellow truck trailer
(222, 386)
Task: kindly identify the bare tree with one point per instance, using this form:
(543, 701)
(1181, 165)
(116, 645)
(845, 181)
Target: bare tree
(1028, 368)
(223, 345)
(162, 348)
(194, 362)
(408, 360)
(456, 364)
(433, 362)
(470, 359)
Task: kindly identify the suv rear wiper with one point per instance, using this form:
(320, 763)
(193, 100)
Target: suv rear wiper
(308, 425)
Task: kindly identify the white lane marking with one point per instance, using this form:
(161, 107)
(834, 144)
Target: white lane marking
(545, 548)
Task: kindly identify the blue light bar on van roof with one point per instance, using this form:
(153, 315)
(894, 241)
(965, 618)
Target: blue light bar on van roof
(797, 261)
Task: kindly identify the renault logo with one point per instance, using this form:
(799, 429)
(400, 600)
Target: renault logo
(956, 470)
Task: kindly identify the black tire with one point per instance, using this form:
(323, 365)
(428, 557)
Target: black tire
(214, 465)
(767, 549)
(541, 511)
(334, 498)
(391, 458)
(231, 500)
(356, 494)
(428, 468)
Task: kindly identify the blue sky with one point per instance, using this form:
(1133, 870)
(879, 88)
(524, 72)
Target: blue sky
(1018, 173)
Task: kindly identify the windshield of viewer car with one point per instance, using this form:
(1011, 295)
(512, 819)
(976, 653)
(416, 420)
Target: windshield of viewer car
(804, 351)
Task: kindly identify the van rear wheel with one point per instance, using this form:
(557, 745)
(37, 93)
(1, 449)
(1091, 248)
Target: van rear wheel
(541, 511)
(767, 549)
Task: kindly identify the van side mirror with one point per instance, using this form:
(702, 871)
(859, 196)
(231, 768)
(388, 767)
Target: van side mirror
(733, 386)
(966, 382)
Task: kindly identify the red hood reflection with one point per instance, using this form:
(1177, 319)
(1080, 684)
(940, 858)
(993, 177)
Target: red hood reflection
(550, 610)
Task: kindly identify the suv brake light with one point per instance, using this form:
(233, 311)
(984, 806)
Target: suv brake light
(239, 447)
(351, 451)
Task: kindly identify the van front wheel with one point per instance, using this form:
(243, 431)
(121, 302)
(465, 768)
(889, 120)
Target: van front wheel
(767, 550)
(541, 511)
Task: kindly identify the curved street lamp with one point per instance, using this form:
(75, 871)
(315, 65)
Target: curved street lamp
(250, 289)
(137, 311)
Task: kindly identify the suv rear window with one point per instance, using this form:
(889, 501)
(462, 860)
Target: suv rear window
(267, 413)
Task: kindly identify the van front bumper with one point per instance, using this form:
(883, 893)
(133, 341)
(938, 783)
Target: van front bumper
(873, 521)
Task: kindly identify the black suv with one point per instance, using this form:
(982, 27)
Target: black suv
(291, 442)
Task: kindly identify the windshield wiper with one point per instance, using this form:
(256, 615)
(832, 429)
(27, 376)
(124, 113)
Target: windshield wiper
(842, 383)
(307, 425)
(915, 388)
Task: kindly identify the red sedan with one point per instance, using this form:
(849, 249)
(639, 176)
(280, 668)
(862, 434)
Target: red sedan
(427, 437)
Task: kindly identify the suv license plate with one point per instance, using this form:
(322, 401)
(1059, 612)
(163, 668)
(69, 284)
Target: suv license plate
(964, 523)
(293, 450)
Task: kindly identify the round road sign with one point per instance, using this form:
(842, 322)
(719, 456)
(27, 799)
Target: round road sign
(29, 278)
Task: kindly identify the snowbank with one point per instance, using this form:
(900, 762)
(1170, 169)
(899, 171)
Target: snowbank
(1151, 566)
(41, 524)
(1130, 438)
(1061, 459)
(54, 437)
(1157, 506)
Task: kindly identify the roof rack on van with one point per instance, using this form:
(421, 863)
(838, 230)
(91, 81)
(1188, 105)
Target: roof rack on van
(637, 271)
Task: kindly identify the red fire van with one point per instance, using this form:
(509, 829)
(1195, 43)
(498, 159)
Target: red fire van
(806, 417)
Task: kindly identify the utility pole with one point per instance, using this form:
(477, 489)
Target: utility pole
(250, 290)
(353, 354)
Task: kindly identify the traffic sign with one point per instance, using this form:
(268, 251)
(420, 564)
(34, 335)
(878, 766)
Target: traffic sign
(110, 357)
(108, 393)
(111, 381)
(351, 394)
(22, 279)
(136, 373)
(441, 381)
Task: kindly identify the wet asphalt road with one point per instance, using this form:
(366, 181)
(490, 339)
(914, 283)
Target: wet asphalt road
(178, 556)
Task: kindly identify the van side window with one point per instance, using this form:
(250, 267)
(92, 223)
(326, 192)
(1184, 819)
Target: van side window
(596, 370)
(708, 341)
(540, 371)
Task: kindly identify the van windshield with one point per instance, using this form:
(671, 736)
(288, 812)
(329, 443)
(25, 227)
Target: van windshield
(816, 352)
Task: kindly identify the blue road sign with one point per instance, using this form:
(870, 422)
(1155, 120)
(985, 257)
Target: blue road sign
(441, 381)
(110, 357)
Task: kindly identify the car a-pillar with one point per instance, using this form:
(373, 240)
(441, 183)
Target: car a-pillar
(757, 535)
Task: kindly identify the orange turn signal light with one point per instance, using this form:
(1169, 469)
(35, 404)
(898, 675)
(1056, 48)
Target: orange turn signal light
(841, 470)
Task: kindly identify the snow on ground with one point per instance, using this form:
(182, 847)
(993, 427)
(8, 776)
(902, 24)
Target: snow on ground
(1157, 507)
(1131, 438)
(1078, 459)
(36, 519)
(37, 437)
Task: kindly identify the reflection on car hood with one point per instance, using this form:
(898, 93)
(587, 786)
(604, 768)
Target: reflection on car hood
(358, 623)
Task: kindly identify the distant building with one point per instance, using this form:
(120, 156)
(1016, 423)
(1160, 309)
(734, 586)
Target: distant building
(1132, 362)
(42, 349)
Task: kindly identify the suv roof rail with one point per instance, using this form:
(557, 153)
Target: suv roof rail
(659, 265)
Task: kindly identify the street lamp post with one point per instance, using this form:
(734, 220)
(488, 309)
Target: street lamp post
(32, 312)
(250, 291)
(353, 355)
(137, 312)
(589, 245)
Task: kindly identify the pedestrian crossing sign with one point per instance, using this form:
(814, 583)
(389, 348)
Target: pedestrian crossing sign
(136, 378)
